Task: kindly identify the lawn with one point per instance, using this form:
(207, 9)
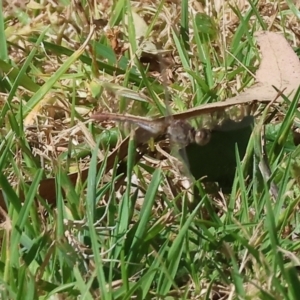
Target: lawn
(95, 205)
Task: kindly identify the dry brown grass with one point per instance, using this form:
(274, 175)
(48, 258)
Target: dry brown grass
(69, 24)
(53, 129)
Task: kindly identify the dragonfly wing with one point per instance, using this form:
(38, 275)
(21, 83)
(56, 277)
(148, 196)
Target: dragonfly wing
(230, 125)
(154, 127)
(142, 136)
(216, 161)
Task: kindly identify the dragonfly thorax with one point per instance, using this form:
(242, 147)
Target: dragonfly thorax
(180, 133)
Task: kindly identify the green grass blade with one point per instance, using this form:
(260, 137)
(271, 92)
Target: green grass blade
(174, 256)
(3, 44)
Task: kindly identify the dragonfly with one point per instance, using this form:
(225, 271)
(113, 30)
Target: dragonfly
(209, 152)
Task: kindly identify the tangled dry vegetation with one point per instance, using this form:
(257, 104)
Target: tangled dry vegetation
(85, 63)
(50, 126)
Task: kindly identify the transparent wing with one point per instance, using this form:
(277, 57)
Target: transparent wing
(153, 126)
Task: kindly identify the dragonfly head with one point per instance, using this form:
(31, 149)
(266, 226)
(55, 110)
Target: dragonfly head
(202, 136)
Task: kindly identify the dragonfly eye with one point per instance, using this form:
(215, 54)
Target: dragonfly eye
(202, 136)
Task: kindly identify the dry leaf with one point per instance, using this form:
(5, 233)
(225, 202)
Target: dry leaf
(279, 66)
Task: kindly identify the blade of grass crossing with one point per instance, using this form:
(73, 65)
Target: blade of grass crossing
(22, 141)
(174, 256)
(90, 210)
(145, 213)
(20, 76)
(39, 95)
(125, 211)
(237, 278)
(151, 90)
(73, 114)
(243, 190)
(83, 287)
(3, 45)
(284, 131)
(34, 248)
(72, 195)
(60, 252)
(28, 203)
(183, 54)
(260, 20)
(60, 212)
(141, 286)
(21, 220)
(204, 57)
(293, 282)
(184, 24)
(5, 149)
(116, 241)
(156, 269)
(104, 67)
(158, 11)
(60, 289)
(237, 43)
(283, 189)
(118, 12)
(30, 291)
(278, 262)
(282, 213)
(21, 283)
(131, 30)
(188, 242)
(12, 73)
(184, 57)
(293, 8)
(10, 195)
(124, 206)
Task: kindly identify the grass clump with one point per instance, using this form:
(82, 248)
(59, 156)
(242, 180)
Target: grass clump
(93, 234)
